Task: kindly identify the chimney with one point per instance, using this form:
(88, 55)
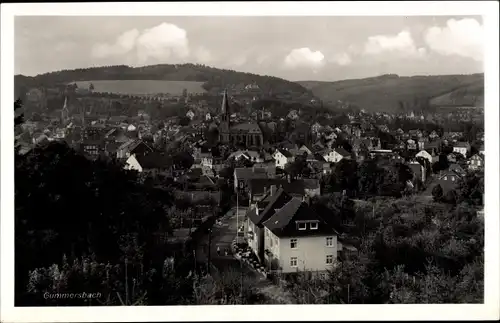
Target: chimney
(273, 189)
(289, 178)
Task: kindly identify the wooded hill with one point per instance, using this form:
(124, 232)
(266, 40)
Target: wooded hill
(387, 92)
(214, 79)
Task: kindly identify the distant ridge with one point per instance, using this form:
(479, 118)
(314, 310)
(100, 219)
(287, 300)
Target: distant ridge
(214, 79)
(385, 92)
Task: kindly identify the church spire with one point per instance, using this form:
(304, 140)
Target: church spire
(225, 103)
(64, 111)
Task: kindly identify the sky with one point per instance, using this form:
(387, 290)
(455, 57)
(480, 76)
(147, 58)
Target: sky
(294, 48)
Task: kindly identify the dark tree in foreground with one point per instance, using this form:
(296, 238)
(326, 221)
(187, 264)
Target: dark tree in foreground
(437, 193)
(90, 219)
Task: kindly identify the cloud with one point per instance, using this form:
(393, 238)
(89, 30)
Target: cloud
(304, 57)
(163, 42)
(342, 59)
(203, 55)
(459, 37)
(123, 45)
(238, 60)
(262, 58)
(401, 43)
(65, 46)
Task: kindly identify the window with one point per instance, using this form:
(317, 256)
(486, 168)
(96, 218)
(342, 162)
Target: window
(314, 225)
(293, 262)
(293, 243)
(446, 178)
(329, 242)
(329, 259)
(478, 163)
(302, 225)
(452, 178)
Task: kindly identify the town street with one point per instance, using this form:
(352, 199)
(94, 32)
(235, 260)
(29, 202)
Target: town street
(222, 236)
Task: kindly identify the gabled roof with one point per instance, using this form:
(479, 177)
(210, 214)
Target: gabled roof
(247, 173)
(154, 160)
(456, 168)
(342, 151)
(462, 144)
(268, 205)
(282, 223)
(296, 187)
(475, 156)
(246, 127)
(284, 152)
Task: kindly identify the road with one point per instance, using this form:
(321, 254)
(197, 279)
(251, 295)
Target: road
(222, 236)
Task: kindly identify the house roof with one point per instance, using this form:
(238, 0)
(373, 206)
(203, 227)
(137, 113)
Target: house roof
(112, 147)
(342, 151)
(285, 153)
(247, 173)
(462, 144)
(246, 127)
(195, 173)
(456, 168)
(154, 160)
(282, 223)
(295, 187)
(475, 156)
(268, 205)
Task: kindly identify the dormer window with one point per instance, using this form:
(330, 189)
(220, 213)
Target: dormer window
(301, 225)
(314, 225)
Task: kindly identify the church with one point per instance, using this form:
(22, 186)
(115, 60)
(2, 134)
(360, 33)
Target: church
(246, 134)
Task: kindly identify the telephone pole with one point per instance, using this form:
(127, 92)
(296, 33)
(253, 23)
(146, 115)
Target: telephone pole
(209, 248)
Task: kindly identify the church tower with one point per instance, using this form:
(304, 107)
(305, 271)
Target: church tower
(65, 111)
(225, 126)
(226, 113)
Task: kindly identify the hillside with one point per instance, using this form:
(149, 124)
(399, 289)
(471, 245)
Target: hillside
(213, 79)
(386, 92)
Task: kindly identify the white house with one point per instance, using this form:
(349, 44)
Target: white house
(306, 149)
(411, 144)
(282, 157)
(297, 239)
(462, 148)
(335, 155)
(208, 116)
(133, 164)
(315, 128)
(293, 114)
(190, 114)
(254, 156)
(424, 154)
(131, 128)
(476, 162)
(152, 162)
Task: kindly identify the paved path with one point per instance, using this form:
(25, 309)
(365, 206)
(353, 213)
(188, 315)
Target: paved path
(222, 236)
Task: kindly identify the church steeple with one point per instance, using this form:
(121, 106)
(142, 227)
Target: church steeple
(64, 111)
(225, 107)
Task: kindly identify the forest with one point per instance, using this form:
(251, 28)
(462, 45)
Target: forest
(214, 79)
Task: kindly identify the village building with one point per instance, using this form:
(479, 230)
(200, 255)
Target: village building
(246, 134)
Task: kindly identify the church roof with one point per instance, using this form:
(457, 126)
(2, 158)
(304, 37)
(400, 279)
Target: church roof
(246, 128)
